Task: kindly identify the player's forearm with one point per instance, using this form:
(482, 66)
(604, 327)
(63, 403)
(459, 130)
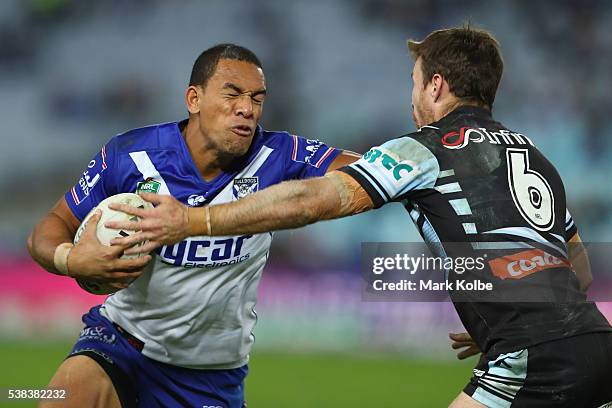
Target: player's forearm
(287, 205)
(50, 232)
(290, 204)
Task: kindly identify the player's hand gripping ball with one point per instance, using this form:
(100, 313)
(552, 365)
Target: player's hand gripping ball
(105, 235)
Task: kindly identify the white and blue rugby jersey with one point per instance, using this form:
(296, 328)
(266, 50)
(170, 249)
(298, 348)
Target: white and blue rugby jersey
(194, 304)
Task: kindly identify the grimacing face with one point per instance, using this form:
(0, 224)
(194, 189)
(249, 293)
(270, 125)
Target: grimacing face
(422, 109)
(231, 105)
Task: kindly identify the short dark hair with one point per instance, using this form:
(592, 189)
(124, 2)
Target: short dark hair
(205, 65)
(468, 58)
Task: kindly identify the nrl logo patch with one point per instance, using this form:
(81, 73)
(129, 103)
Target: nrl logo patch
(245, 186)
(148, 186)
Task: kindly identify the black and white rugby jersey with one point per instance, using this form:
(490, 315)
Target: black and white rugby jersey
(475, 188)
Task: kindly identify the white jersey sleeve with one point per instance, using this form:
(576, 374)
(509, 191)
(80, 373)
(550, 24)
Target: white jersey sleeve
(389, 171)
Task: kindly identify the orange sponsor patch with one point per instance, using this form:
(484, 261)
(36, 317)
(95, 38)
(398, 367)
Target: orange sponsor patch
(525, 263)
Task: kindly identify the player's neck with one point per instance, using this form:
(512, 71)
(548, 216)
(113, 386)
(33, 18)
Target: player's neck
(449, 106)
(445, 107)
(208, 162)
(206, 158)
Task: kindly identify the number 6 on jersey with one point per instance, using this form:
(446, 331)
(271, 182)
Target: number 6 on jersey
(531, 192)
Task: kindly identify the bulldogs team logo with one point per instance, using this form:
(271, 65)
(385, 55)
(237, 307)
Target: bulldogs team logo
(195, 200)
(245, 186)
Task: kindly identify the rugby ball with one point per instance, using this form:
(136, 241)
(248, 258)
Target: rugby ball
(105, 235)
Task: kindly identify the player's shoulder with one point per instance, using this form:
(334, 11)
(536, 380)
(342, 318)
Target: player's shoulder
(276, 138)
(150, 137)
(431, 136)
(422, 140)
(411, 149)
(285, 137)
(292, 145)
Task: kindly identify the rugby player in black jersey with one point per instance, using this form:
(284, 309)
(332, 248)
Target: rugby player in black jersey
(463, 178)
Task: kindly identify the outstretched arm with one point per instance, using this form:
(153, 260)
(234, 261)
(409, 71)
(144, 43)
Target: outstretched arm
(380, 176)
(286, 205)
(290, 204)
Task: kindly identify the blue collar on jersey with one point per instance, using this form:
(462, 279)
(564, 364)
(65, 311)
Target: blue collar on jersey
(214, 186)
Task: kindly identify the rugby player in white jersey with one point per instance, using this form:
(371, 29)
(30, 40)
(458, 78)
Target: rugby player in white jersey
(463, 178)
(180, 334)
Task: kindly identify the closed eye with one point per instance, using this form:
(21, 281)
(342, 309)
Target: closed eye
(233, 91)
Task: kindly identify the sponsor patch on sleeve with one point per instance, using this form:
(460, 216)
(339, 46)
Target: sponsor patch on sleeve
(310, 151)
(90, 178)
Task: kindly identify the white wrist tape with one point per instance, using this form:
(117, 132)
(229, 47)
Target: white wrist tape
(60, 257)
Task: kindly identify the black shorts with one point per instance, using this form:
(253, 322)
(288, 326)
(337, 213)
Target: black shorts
(573, 372)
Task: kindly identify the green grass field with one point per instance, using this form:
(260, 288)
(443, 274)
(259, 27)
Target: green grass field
(287, 380)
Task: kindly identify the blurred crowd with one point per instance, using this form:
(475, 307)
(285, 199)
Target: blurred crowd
(73, 74)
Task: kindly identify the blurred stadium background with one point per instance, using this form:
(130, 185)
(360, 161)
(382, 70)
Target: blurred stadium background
(73, 74)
